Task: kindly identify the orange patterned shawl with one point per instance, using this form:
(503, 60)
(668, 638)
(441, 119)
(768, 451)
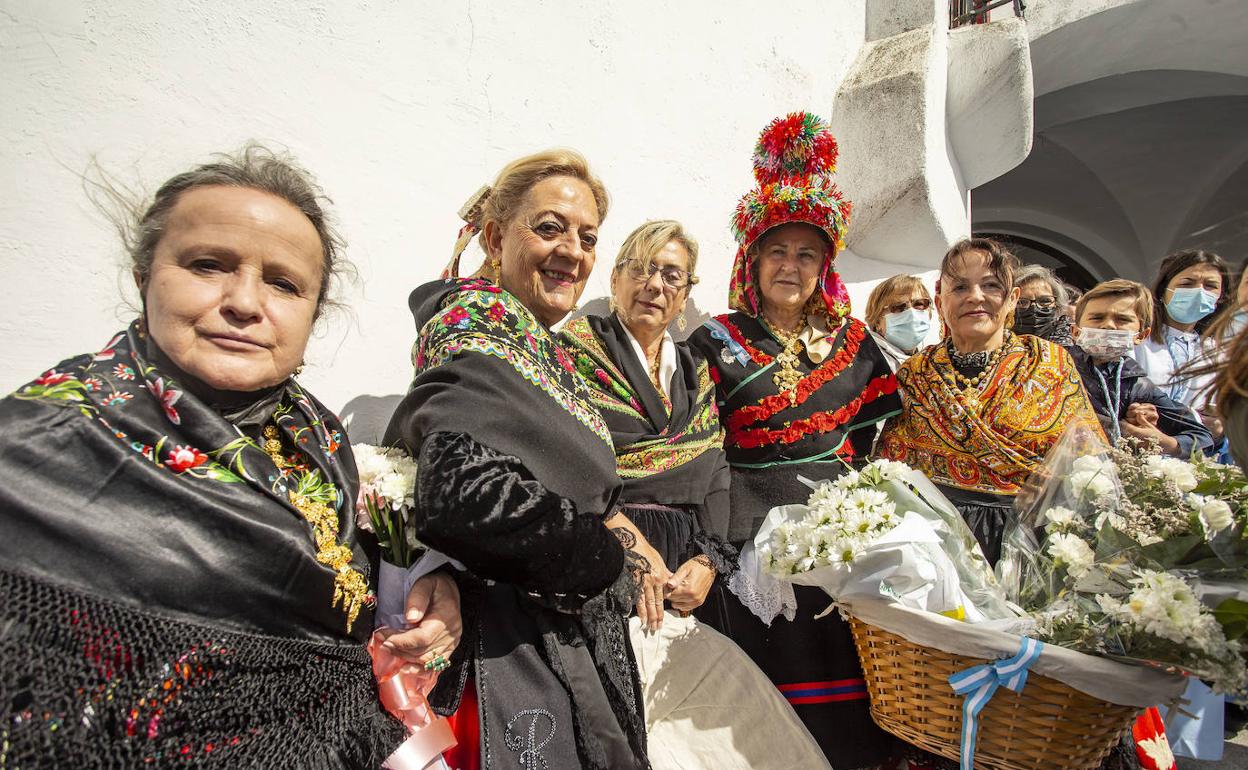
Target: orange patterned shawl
(1028, 403)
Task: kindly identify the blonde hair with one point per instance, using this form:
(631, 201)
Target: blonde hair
(519, 176)
(1120, 287)
(877, 303)
(649, 239)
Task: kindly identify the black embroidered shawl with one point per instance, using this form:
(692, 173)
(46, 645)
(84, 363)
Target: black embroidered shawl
(671, 458)
(161, 593)
(516, 474)
(770, 440)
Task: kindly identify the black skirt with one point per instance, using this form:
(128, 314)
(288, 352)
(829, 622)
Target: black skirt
(815, 666)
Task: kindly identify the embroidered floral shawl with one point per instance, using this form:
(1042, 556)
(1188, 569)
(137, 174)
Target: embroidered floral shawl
(668, 450)
(168, 592)
(1031, 399)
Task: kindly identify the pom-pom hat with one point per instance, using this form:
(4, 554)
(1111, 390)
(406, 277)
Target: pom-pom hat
(793, 165)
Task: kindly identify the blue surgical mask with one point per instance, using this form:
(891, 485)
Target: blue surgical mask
(1239, 322)
(1189, 305)
(907, 329)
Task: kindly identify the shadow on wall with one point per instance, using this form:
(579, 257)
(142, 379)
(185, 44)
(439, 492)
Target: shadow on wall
(367, 416)
(694, 316)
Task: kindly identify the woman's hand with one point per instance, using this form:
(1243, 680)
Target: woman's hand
(435, 623)
(688, 587)
(653, 586)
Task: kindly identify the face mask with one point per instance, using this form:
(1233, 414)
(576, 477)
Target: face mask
(907, 329)
(1239, 322)
(1187, 306)
(1106, 343)
(1035, 320)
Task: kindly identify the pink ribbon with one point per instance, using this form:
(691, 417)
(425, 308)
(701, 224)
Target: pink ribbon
(402, 687)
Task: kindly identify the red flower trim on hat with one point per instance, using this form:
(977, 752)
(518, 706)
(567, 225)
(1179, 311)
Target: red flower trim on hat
(820, 422)
(798, 144)
(770, 406)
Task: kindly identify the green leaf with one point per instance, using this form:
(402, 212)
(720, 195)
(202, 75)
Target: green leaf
(1232, 613)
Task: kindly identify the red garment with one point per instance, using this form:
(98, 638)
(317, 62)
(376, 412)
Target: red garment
(467, 728)
(1151, 745)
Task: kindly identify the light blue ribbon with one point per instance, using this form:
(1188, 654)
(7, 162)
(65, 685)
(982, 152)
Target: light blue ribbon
(979, 683)
(720, 332)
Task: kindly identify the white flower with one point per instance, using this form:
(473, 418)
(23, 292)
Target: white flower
(890, 470)
(1072, 551)
(1172, 469)
(1215, 515)
(848, 480)
(1114, 520)
(1090, 463)
(1091, 483)
(1059, 517)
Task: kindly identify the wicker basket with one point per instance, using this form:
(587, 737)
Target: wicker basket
(1048, 725)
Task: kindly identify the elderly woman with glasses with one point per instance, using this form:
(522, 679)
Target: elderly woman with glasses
(1041, 307)
(801, 386)
(899, 313)
(658, 400)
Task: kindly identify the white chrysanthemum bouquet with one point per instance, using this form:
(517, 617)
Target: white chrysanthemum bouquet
(884, 530)
(384, 504)
(1130, 554)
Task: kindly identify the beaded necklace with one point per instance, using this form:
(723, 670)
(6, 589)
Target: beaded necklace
(971, 388)
(350, 585)
(789, 375)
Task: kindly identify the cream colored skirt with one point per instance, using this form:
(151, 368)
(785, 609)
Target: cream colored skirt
(708, 705)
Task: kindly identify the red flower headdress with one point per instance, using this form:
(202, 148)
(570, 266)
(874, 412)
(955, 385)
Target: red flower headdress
(793, 165)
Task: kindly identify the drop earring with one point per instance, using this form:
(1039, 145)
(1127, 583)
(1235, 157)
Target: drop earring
(681, 322)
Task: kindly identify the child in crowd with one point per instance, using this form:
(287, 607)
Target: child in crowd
(1110, 320)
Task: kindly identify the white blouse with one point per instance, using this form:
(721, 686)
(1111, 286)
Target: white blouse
(1160, 360)
(667, 358)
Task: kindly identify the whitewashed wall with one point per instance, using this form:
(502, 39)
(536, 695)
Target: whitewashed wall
(402, 109)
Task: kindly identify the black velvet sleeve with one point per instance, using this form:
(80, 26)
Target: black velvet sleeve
(485, 509)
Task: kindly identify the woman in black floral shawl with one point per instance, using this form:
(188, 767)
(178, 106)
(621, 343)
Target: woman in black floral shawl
(516, 476)
(182, 579)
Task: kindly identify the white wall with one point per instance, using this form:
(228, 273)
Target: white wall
(402, 109)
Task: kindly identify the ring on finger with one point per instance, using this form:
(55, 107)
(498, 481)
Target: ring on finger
(439, 663)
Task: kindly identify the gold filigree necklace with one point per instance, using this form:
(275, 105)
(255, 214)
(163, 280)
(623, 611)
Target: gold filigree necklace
(350, 585)
(970, 388)
(788, 375)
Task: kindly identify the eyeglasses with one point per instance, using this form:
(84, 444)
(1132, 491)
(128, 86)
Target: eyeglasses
(900, 307)
(1041, 303)
(673, 277)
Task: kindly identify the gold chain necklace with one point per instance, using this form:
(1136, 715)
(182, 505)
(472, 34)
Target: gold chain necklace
(350, 585)
(788, 376)
(970, 387)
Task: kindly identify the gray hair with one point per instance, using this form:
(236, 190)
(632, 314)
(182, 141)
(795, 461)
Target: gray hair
(1029, 273)
(254, 166)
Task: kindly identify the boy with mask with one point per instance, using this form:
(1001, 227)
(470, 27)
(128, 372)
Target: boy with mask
(1110, 320)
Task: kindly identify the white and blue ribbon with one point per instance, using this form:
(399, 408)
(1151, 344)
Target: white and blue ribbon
(734, 348)
(979, 683)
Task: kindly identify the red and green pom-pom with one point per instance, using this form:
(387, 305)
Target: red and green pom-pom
(797, 145)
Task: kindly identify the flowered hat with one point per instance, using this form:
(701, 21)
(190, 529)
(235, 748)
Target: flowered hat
(793, 165)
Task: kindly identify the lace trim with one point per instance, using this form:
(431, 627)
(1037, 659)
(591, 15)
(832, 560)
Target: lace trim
(761, 593)
(724, 558)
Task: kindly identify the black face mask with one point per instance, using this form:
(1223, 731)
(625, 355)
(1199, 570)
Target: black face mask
(1035, 320)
